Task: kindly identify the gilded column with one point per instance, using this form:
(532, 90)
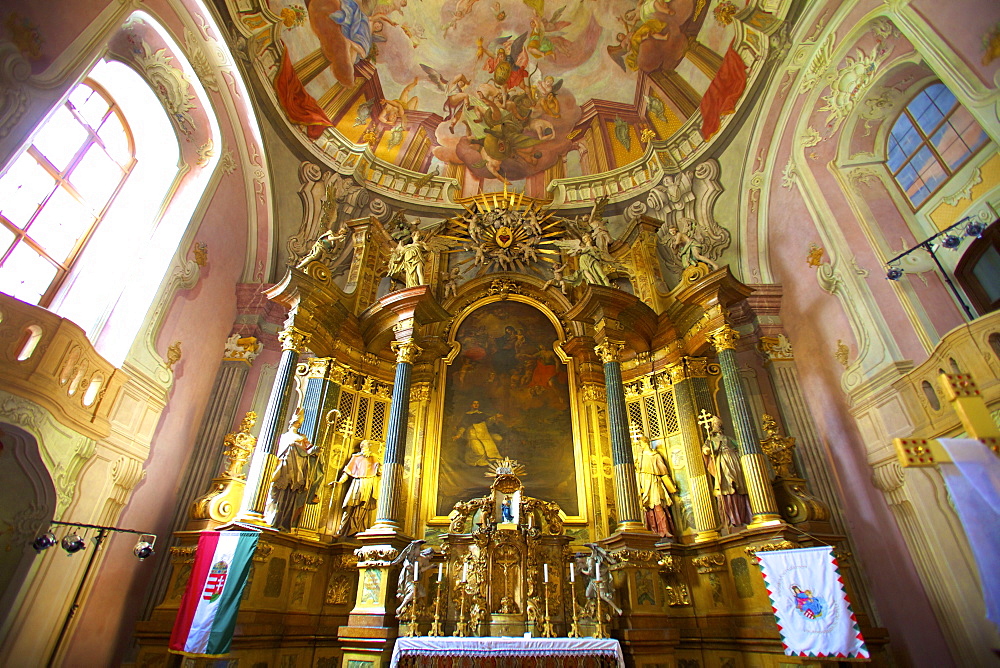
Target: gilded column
(293, 342)
(682, 376)
(626, 489)
(388, 511)
(762, 503)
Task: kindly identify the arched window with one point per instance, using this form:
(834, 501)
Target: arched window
(56, 193)
(931, 140)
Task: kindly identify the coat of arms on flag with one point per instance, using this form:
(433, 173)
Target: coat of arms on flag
(207, 616)
(810, 605)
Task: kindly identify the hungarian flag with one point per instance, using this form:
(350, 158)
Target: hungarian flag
(207, 616)
(810, 605)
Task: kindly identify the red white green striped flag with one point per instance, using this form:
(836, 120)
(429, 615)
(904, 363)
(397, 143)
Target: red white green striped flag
(810, 605)
(207, 616)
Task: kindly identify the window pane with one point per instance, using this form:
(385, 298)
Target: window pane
(61, 138)
(22, 189)
(60, 224)
(93, 109)
(897, 156)
(906, 177)
(26, 275)
(928, 167)
(943, 98)
(6, 239)
(115, 140)
(906, 136)
(96, 177)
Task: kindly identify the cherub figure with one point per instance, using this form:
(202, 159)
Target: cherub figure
(558, 278)
(449, 279)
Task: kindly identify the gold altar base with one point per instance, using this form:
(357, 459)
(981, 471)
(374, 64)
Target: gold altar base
(298, 595)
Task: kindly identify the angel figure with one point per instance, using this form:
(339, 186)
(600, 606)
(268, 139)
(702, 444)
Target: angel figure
(597, 227)
(326, 248)
(413, 562)
(509, 68)
(545, 38)
(596, 567)
(687, 249)
(591, 260)
(456, 99)
(408, 259)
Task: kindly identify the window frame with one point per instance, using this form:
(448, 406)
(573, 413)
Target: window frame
(964, 270)
(926, 141)
(62, 181)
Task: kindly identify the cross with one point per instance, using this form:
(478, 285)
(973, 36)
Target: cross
(705, 420)
(972, 411)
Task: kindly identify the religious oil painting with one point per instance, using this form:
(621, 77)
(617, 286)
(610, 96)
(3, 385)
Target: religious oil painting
(507, 395)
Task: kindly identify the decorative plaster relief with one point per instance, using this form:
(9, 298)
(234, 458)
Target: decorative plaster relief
(171, 86)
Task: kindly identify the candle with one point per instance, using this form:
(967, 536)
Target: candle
(440, 571)
(465, 571)
(545, 569)
(597, 570)
(416, 571)
(572, 573)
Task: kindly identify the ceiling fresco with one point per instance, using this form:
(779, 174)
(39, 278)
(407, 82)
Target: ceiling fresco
(484, 93)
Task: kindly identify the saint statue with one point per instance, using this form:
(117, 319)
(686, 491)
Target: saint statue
(506, 511)
(723, 465)
(655, 487)
(480, 443)
(297, 475)
(364, 470)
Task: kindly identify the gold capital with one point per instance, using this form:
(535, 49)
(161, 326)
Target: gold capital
(609, 351)
(406, 351)
(293, 339)
(724, 338)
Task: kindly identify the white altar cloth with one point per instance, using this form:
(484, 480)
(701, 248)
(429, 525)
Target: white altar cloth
(513, 647)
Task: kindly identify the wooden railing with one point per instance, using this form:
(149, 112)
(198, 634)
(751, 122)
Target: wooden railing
(49, 360)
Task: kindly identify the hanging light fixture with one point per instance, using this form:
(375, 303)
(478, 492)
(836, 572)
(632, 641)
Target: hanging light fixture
(894, 273)
(72, 543)
(144, 547)
(44, 542)
(975, 229)
(951, 241)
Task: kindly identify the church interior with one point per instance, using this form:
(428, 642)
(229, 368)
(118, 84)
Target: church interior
(507, 292)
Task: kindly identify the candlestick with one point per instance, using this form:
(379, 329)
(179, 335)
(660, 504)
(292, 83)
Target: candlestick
(545, 570)
(574, 628)
(465, 572)
(597, 571)
(416, 571)
(547, 622)
(572, 572)
(440, 571)
(436, 625)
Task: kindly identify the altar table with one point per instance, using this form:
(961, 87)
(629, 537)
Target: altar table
(428, 652)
